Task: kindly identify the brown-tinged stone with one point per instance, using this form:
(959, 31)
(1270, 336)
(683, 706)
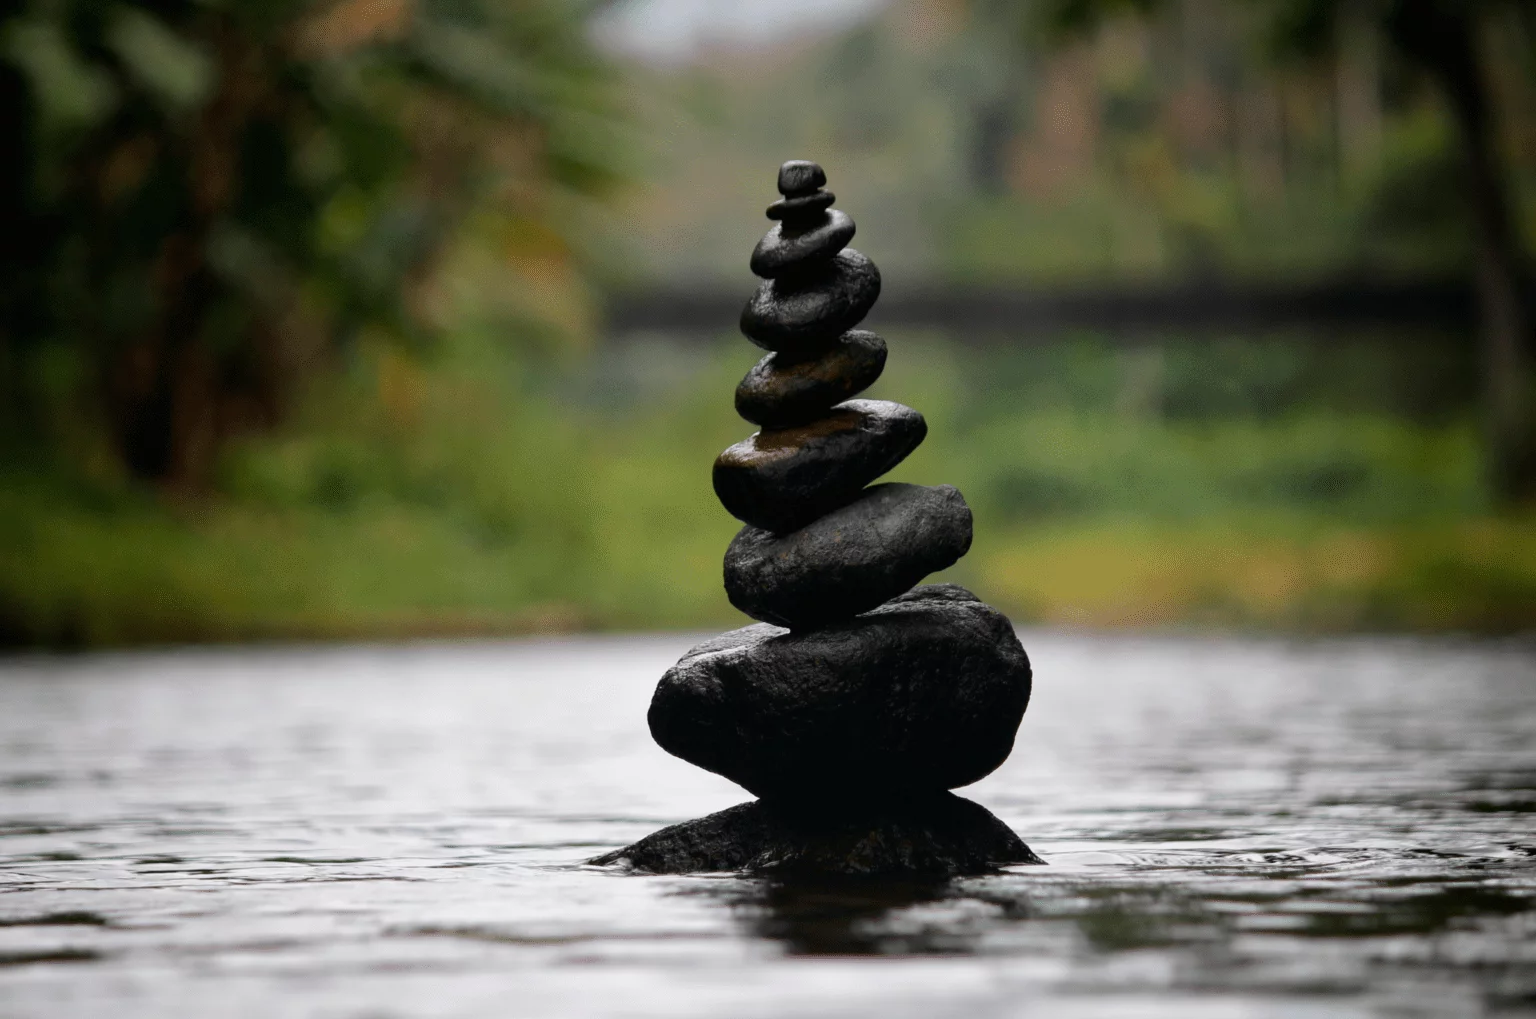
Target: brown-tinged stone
(779, 392)
(780, 479)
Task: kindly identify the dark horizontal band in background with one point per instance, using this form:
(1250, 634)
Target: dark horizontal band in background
(1002, 314)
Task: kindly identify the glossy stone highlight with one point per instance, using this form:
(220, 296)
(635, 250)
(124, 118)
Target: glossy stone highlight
(785, 248)
(799, 176)
(781, 479)
(804, 314)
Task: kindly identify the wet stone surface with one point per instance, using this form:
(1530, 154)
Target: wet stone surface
(784, 249)
(1234, 828)
(850, 560)
(799, 177)
(805, 315)
(778, 392)
(921, 695)
(782, 479)
(936, 836)
(801, 208)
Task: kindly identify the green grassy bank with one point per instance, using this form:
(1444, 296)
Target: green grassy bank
(473, 492)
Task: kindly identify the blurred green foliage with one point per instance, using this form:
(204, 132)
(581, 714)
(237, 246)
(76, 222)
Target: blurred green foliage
(206, 199)
(1446, 46)
(977, 146)
(468, 493)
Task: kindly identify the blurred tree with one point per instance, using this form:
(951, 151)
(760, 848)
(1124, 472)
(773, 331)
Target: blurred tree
(996, 92)
(1443, 40)
(204, 197)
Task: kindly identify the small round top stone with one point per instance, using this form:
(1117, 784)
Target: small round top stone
(800, 177)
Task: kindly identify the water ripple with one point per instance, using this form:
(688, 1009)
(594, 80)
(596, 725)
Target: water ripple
(1234, 827)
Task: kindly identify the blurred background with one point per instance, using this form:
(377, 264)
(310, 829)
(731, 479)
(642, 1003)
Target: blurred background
(397, 318)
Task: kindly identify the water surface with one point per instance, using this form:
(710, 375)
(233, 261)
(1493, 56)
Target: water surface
(1234, 828)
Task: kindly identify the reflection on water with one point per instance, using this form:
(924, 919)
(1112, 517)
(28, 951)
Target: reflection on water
(852, 917)
(1242, 828)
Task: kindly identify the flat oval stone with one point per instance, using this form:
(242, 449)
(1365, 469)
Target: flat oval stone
(803, 314)
(779, 392)
(850, 560)
(801, 206)
(799, 176)
(921, 695)
(783, 248)
(781, 479)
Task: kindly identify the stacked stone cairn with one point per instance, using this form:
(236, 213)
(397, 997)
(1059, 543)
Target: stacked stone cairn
(860, 700)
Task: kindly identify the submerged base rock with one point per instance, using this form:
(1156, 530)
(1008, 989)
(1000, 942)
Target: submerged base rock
(921, 695)
(938, 835)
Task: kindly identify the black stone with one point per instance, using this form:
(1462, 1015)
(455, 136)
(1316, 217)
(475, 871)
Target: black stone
(940, 836)
(779, 392)
(921, 695)
(803, 208)
(784, 248)
(802, 315)
(783, 478)
(858, 703)
(799, 176)
(850, 560)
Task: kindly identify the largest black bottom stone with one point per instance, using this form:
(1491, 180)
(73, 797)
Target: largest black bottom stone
(941, 835)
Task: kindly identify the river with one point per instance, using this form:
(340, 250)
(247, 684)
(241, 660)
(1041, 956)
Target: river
(1234, 827)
